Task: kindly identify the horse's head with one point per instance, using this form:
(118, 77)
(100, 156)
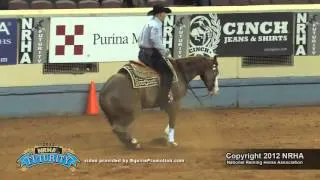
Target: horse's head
(209, 74)
(206, 67)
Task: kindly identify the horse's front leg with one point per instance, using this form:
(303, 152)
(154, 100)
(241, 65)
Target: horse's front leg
(171, 110)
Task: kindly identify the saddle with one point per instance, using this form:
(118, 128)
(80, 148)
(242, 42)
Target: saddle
(143, 76)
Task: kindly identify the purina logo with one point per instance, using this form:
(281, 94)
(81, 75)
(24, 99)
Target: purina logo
(69, 39)
(48, 154)
(205, 35)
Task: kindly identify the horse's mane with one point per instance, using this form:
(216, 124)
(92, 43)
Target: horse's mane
(187, 59)
(192, 62)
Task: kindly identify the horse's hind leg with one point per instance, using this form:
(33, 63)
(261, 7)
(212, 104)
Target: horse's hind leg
(120, 128)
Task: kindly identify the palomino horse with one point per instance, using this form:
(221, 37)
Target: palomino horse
(136, 87)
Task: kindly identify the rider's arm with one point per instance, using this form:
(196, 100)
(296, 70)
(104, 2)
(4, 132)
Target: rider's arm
(156, 39)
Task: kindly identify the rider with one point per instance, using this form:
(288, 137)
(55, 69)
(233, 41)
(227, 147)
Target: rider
(152, 51)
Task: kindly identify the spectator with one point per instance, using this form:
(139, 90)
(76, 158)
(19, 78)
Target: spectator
(128, 3)
(203, 2)
(184, 2)
(4, 4)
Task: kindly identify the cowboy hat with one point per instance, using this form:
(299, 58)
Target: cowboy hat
(158, 9)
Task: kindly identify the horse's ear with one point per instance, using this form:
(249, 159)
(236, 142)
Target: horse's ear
(214, 57)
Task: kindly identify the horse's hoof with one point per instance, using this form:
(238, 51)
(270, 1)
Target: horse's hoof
(166, 131)
(134, 144)
(138, 146)
(172, 144)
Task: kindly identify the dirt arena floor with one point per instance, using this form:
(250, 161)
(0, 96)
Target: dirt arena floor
(204, 137)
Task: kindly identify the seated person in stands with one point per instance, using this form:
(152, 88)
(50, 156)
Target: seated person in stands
(4, 4)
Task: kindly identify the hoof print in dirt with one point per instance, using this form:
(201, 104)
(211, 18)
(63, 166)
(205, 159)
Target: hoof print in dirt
(159, 141)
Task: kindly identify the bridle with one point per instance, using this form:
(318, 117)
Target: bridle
(216, 73)
(215, 69)
(185, 79)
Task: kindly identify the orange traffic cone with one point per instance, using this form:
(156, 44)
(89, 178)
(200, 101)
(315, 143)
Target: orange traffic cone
(92, 106)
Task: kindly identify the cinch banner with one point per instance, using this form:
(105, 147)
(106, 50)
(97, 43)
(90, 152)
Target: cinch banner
(79, 39)
(8, 41)
(252, 34)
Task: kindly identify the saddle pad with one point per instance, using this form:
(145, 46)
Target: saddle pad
(143, 76)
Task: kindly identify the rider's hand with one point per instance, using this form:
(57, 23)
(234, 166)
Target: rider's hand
(170, 58)
(168, 55)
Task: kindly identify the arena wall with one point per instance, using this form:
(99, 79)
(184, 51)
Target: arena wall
(26, 91)
(235, 93)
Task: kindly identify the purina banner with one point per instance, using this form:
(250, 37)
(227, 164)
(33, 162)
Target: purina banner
(79, 39)
(95, 39)
(241, 34)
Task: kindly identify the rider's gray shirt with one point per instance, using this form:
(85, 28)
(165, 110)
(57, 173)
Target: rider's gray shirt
(151, 36)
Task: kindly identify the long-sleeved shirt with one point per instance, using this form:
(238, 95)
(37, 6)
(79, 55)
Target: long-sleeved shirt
(151, 36)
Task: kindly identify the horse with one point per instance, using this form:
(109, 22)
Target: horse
(135, 87)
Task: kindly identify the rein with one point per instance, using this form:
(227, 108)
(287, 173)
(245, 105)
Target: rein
(187, 83)
(177, 24)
